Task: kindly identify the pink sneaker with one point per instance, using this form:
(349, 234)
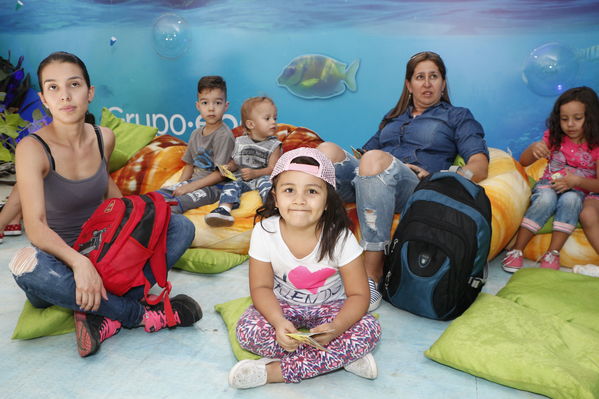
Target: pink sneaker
(13, 230)
(550, 260)
(186, 311)
(513, 261)
(91, 330)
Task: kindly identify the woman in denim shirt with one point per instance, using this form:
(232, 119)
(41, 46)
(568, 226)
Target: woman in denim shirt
(421, 135)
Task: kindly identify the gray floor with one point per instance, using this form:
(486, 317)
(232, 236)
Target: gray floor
(194, 361)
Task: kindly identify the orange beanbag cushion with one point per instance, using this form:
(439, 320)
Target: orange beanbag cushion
(151, 166)
(236, 238)
(508, 190)
(159, 164)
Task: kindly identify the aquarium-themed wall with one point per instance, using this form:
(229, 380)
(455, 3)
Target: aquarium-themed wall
(334, 66)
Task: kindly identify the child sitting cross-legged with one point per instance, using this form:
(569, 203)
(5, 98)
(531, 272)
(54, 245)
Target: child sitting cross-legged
(306, 271)
(209, 146)
(254, 156)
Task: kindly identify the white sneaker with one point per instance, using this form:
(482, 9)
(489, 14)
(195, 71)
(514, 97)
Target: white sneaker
(587, 270)
(364, 367)
(249, 373)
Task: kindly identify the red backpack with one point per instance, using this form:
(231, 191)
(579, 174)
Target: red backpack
(121, 236)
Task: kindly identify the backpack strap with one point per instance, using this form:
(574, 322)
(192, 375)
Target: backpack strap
(162, 214)
(471, 187)
(476, 282)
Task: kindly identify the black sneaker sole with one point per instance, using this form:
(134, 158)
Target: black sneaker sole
(87, 342)
(217, 220)
(188, 309)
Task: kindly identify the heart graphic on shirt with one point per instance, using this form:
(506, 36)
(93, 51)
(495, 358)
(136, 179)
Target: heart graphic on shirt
(301, 277)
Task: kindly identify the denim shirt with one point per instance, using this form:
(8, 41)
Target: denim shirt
(432, 139)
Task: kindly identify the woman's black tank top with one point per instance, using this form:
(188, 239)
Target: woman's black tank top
(69, 203)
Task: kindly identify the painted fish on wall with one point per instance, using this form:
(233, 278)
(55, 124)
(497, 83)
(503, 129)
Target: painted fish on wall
(318, 76)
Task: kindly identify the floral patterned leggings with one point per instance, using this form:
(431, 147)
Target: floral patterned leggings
(256, 335)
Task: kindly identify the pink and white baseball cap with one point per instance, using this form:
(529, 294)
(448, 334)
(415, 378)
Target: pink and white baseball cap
(325, 169)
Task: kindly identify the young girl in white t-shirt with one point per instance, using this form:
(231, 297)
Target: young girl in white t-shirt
(306, 271)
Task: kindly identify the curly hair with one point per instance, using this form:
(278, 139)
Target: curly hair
(588, 97)
(334, 222)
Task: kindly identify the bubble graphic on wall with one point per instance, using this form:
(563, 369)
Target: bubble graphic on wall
(550, 69)
(171, 36)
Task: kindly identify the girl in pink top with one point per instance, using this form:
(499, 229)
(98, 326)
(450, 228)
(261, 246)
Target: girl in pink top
(571, 144)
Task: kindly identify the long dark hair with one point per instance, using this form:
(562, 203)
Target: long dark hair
(406, 98)
(588, 97)
(334, 221)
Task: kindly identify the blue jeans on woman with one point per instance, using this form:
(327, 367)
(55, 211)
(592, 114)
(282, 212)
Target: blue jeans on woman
(545, 201)
(377, 197)
(51, 282)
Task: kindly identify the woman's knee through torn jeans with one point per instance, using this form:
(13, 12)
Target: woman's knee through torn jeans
(377, 197)
(48, 281)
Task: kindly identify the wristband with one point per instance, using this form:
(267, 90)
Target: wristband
(464, 172)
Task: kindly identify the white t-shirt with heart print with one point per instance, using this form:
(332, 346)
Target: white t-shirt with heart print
(304, 281)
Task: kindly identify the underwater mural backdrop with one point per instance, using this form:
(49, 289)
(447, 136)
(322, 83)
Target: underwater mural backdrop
(318, 76)
(335, 67)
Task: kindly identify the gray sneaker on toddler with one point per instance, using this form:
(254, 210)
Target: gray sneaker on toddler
(220, 217)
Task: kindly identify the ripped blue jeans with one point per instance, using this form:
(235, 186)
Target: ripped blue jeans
(377, 197)
(51, 282)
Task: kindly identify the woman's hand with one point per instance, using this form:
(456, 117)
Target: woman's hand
(329, 333)
(565, 183)
(247, 174)
(421, 173)
(89, 289)
(539, 150)
(281, 329)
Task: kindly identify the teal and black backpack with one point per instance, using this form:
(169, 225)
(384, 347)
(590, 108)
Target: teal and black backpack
(437, 261)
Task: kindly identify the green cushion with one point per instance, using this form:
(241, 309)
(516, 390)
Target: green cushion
(459, 161)
(208, 261)
(572, 297)
(231, 312)
(535, 336)
(35, 322)
(130, 138)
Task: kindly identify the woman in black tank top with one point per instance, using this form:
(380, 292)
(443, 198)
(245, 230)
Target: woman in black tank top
(62, 176)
